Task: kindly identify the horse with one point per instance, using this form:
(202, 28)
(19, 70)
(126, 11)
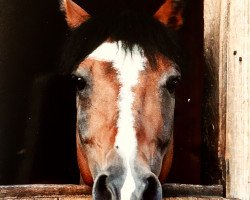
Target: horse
(125, 66)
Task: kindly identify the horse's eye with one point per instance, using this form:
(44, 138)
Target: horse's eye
(79, 82)
(172, 84)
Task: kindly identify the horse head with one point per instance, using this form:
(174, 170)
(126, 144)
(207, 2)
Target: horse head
(125, 66)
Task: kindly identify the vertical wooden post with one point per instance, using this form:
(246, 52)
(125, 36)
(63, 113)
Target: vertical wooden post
(238, 100)
(227, 50)
(214, 105)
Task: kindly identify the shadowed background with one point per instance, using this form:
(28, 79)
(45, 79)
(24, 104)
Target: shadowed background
(37, 134)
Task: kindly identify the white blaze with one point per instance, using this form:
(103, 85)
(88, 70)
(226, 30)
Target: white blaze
(128, 67)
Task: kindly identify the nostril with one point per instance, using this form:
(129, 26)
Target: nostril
(100, 189)
(153, 190)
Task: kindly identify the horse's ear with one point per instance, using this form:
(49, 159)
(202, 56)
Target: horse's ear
(74, 14)
(170, 13)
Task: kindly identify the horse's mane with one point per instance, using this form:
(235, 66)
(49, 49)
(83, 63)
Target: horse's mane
(129, 27)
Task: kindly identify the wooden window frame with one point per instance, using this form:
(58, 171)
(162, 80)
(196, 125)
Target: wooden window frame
(226, 48)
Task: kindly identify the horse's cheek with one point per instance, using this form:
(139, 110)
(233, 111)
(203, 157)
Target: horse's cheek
(166, 163)
(84, 167)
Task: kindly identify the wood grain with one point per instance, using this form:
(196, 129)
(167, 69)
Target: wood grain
(184, 190)
(89, 198)
(84, 192)
(43, 190)
(227, 47)
(238, 100)
(214, 102)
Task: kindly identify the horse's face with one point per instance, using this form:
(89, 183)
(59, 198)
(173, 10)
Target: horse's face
(125, 106)
(125, 110)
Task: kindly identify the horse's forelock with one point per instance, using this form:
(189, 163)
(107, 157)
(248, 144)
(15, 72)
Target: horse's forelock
(128, 27)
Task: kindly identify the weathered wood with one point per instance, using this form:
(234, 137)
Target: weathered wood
(89, 198)
(238, 99)
(78, 197)
(43, 190)
(212, 150)
(196, 198)
(227, 47)
(179, 190)
(53, 191)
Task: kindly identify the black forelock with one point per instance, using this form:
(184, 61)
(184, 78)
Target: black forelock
(129, 27)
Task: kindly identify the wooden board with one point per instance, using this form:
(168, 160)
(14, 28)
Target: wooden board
(227, 47)
(238, 99)
(213, 132)
(214, 107)
(170, 191)
(89, 198)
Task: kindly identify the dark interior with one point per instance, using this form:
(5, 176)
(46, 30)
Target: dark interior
(37, 120)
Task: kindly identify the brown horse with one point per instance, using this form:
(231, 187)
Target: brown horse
(126, 67)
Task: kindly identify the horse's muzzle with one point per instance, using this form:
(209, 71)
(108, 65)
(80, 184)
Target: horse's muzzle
(108, 187)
